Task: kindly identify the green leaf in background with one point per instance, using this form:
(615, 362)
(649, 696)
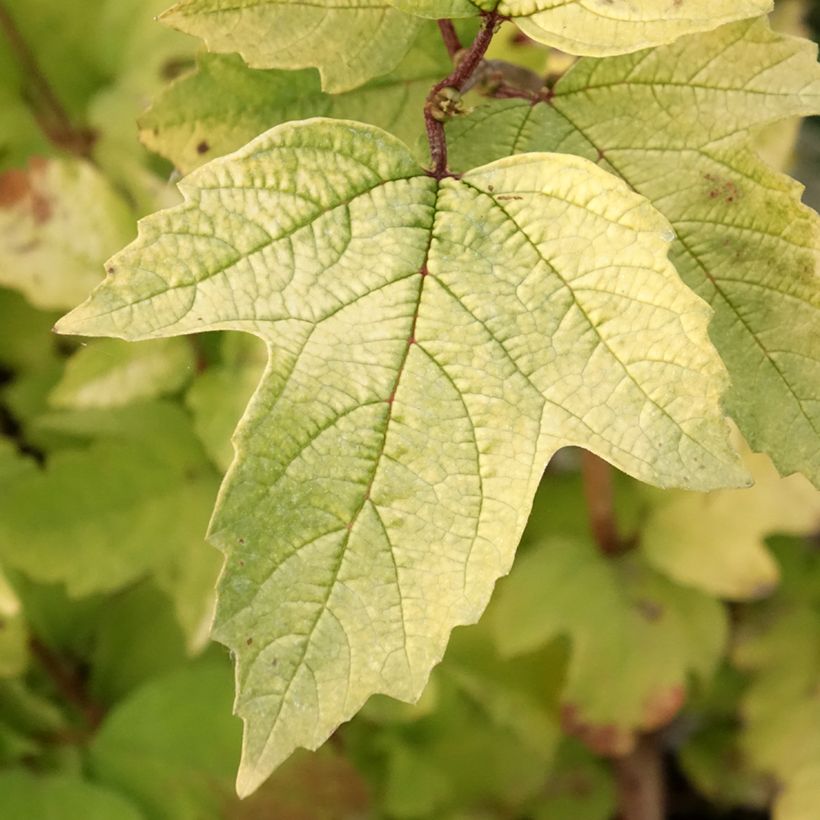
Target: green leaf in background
(111, 373)
(218, 397)
(491, 312)
(102, 516)
(59, 221)
(224, 104)
(778, 645)
(303, 34)
(744, 241)
(13, 633)
(715, 541)
(172, 745)
(28, 796)
(599, 27)
(627, 625)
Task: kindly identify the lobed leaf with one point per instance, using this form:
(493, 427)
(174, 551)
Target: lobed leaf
(673, 123)
(599, 27)
(431, 344)
(349, 41)
(224, 103)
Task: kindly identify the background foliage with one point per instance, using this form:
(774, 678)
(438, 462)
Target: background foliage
(701, 644)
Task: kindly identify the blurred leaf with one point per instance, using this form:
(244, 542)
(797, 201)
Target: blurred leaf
(172, 746)
(27, 341)
(60, 219)
(98, 518)
(627, 625)
(28, 796)
(111, 373)
(715, 541)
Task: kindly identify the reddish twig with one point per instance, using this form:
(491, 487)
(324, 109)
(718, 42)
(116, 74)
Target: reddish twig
(600, 498)
(434, 113)
(68, 683)
(49, 112)
(450, 37)
(640, 782)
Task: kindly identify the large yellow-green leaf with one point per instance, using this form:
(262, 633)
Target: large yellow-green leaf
(673, 123)
(349, 41)
(599, 27)
(59, 220)
(431, 344)
(224, 104)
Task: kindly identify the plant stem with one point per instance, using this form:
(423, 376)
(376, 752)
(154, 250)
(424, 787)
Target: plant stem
(457, 79)
(68, 683)
(640, 781)
(600, 498)
(450, 37)
(49, 112)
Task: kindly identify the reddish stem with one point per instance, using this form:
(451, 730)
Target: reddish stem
(450, 37)
(49, 112)
(457, 80)
(600, 498)
(640, 782)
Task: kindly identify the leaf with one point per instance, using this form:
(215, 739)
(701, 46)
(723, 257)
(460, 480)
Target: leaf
(224, 104)
(172, 745)
(111, 373)
(13, 632)
(600, 27)
(626, 625)
(28, 796)
(349, 42)
(777, 645)
(744, 241)
(219, 395)
(98, 518)
(431, 345)
(59, 220)
(715, 541)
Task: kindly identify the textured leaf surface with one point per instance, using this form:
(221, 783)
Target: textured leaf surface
(671, 122)
(59, 220)
(715, 541)
(431, 345)
(627, 626)
(111, 373)
(349, 41)
(600, 27)
(224, 104)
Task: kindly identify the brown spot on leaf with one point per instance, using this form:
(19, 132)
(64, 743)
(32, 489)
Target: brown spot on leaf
(662, 706)
(203, 147)
(19, 188)
(651, 610)
(605, 739)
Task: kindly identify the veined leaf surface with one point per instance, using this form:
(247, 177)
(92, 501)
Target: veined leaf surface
(349, 41)
(673, 123)
(599, 27)
(432, 343)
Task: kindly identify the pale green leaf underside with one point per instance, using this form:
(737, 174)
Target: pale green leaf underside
(600, 27)
(431, 345)
(349, 41)
(224, 103)
(671, 123)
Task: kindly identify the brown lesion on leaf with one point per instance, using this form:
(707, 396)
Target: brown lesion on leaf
(21, 188)
(721, 188)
